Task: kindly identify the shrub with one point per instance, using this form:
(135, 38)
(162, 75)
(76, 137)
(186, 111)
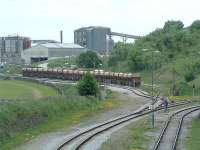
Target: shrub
(88, 86)
(189, 77)
(89, 59)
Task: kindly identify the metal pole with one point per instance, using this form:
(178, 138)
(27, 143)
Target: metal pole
(193, 92)
(152, 75)
(193, 87)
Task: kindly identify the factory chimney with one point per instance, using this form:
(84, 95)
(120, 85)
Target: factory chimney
(61, 36)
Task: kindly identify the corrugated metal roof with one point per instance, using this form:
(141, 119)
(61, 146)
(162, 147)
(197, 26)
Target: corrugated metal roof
(61, 45)
(92, 28)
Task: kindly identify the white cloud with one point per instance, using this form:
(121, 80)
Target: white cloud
(44, 18)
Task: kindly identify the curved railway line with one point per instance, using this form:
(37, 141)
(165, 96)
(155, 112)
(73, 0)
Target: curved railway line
(79, 140)
(165, 141)
(76, 142)
(82, 138)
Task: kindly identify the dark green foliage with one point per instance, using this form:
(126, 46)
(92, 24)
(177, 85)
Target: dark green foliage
(171, 26)
(189, 77)
(135, 60)
(119, 53)
(179, 48)
(173, 41)
(195, 25)
(88, 86)
(89, 59)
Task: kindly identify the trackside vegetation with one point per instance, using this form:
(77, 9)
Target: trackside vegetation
(23, 119)
(11, 69)
(88, 59)
(88, 86)
(134, 138)
(176, 64)
(194, 138)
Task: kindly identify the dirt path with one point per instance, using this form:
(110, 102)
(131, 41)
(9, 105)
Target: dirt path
(36, 94)
(50, 141)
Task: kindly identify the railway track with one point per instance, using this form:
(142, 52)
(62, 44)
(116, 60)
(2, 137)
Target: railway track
(170, 133)
(77, 141)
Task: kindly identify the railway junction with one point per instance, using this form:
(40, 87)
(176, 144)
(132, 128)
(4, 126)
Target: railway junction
(106, 130)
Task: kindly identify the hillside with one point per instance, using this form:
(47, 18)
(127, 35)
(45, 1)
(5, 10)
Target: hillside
(176, 65)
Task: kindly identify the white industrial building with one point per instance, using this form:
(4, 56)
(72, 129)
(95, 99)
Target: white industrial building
(51, 51)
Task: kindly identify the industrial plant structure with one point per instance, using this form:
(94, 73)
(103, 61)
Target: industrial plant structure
(94, 38)
(48, 51)
(98, 38)
(11, 48)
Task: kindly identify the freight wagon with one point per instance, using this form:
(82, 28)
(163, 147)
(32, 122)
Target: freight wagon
(127, 79)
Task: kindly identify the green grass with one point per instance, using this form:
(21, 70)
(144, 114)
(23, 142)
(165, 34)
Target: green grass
(23, 120)
(60, 62)
(132, 138)
(163, 82)
(138, 136)
(53, 123)
(13, 89)
(11, 69)
(193, 140)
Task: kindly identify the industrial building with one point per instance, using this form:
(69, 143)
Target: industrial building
(94, 38)
(36, 42)
(99, 38)
(11, 48)
(51, 51)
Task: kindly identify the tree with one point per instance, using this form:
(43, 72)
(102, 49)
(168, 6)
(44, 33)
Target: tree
(195, 25)
(89, 59)
(135, 60)
(119, 53)
(173, 26)
(189, 76)
(88, 86)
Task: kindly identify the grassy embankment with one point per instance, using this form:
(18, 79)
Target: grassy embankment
(59, 62)
(11, 69)
(194, 138)
(163, 80)
(13, 89)
(23, 119)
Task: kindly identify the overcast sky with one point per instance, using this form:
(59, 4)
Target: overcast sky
(43, 19)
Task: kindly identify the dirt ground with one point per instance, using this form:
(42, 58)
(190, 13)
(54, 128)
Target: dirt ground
(129, 102)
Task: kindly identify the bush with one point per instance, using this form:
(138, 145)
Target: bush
(17, 116)
(89, 59)
(88, 86)
(189, 77)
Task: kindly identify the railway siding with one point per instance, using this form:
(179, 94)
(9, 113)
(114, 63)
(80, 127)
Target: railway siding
(170, 133)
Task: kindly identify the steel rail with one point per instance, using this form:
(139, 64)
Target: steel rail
(134, 117)
(130, 89)
(103, 124)
(127, 88)
(180, 127)
(98, 126)
(164, 129)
